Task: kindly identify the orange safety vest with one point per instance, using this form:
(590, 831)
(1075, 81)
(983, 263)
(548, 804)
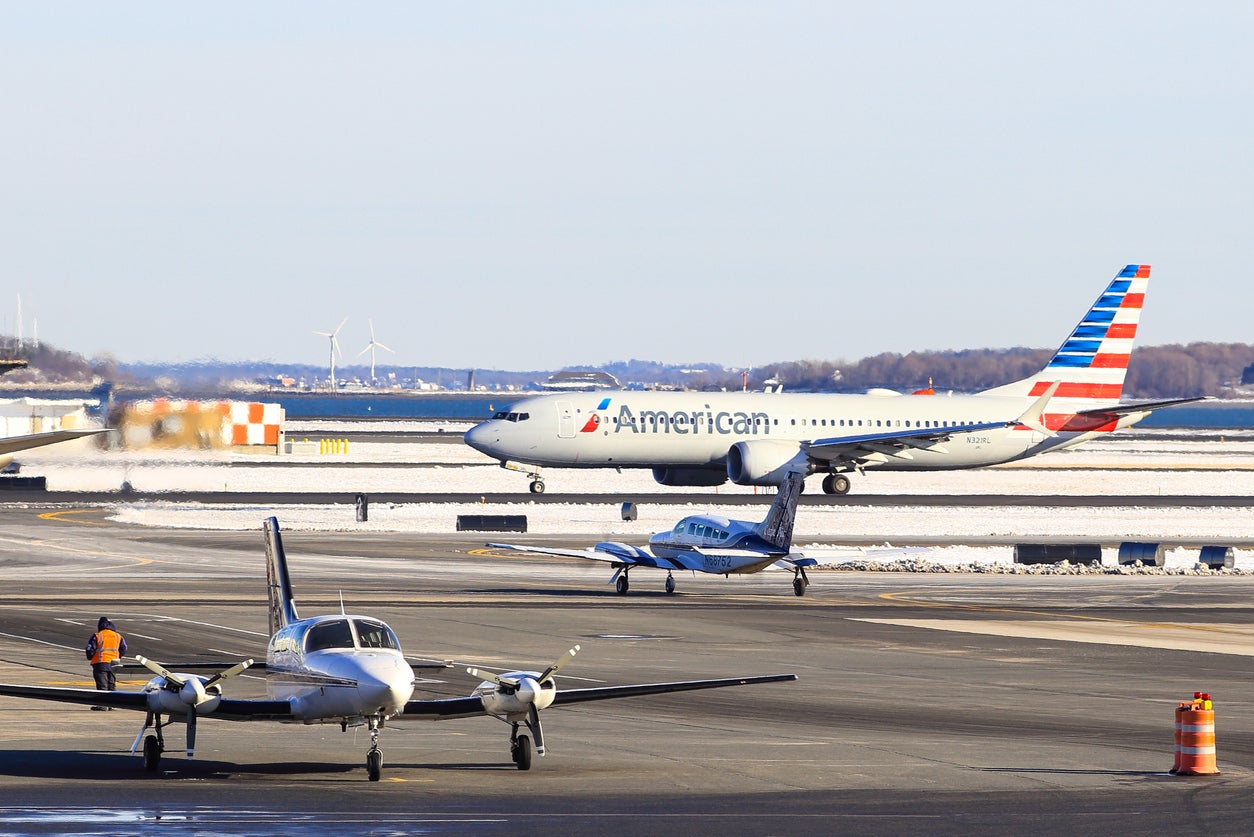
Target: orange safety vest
(107, 644)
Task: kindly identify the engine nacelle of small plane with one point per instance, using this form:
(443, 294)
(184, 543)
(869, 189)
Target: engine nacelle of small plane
(169, 699)
(498, 700)
(689, 476)
(764, 462)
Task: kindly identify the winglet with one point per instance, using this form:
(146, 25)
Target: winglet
(777, 528)
(1034, 416)
(278, 584)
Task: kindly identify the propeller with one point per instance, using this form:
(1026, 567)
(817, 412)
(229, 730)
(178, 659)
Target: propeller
(523, 688)
(553, 669)
(191, 690)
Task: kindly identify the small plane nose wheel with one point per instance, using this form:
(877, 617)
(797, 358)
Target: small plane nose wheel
(670, 583)
(622, 584)
(374, 758)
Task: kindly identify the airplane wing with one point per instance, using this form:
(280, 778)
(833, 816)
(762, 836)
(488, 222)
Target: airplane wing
(881, 447)
(467, 707)
(619, 554)
(1147, 407)
(12, 444)
(826, 557)
(227, 709)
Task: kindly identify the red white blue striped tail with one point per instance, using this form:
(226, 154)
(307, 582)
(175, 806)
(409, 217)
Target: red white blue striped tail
(1091, 364)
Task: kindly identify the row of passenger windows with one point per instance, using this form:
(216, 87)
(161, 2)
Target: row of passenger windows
(925, 423)
(700, 530)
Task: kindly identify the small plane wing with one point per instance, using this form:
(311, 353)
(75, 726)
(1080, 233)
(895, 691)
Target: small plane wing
(467, 707)
(610, 551)
(880, 447)
(13, 444)
(227, 708)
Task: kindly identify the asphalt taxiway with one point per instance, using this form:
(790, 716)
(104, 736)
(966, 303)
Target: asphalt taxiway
(946, 704)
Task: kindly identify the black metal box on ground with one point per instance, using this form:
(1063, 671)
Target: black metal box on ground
(1052, 553)
(1217, 557)
(24, 483)
(1149, 554)
(492, 523)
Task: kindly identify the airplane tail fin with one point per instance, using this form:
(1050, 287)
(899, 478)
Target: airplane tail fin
(776, 529)
(1090, 366)
(278, 584)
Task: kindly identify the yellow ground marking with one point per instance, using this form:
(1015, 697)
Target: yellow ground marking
(62, 516)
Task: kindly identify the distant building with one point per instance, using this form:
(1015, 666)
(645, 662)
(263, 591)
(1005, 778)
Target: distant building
(571, 381)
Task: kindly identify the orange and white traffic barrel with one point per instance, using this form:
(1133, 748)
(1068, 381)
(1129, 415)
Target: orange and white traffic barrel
(1195, 738)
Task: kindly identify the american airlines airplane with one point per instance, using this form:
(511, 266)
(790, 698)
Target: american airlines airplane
(707, 438)
(346, 670)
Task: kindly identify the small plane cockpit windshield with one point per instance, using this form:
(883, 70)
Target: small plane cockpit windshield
(325, 635)
(376, 635)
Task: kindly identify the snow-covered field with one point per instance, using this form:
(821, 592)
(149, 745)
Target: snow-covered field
(1148, 463)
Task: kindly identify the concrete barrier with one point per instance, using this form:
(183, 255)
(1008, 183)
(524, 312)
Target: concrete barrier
(1052, 553)
(492, 523)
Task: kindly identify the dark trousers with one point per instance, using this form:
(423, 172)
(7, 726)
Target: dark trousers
(105, 679)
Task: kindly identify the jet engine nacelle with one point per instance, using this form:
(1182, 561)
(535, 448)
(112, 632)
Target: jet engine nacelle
(689, 476)
(763, 462)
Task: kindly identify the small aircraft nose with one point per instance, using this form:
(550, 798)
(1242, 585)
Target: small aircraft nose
(388, 688)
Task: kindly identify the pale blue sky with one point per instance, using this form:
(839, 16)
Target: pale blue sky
(525, 186)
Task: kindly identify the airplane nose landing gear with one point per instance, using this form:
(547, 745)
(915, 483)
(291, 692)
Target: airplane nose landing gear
(374, 758)
(520, 749)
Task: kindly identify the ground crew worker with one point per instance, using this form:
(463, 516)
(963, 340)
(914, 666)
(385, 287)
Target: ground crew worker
(105, 647)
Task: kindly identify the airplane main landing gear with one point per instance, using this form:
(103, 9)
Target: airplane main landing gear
(800, 582)
(374, 757)
(537, 486)
(152, 753)
(621, 584)
(520, 749)
(670, 583)
(835, 484)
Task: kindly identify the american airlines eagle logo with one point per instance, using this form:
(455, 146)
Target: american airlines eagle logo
(594, 421)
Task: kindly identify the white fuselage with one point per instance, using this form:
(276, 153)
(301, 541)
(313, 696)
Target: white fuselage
(340, 668)
(695, 430)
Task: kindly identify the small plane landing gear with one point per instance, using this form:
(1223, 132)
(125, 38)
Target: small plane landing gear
(374, 757)
(520, 749)
(835, 484)
(622, 584)
(537, 486)
(670, 583)
(800, 582)
(152, 753)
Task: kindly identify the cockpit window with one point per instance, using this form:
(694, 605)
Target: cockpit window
(329, 635)
(375, 635)
(504, 416)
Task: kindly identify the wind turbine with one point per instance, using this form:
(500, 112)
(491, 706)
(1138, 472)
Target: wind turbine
(335, 347)
(370, 348)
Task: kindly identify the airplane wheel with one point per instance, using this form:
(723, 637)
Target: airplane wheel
(152, 753)
(836, 484)
(621, 585)
(670, 584)
(521, 752)
(374, 764)
(799, 586)
(537, 487)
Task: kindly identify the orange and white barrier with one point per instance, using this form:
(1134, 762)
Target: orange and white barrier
(1195, 737)
(253, 423)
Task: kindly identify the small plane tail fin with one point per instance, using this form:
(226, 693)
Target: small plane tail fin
(1090, 366)
(777, 528)
(278, 583)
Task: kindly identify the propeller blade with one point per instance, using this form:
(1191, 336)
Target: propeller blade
(230, 672)
(191, 732)
(537, 732)
(503, 682)
(552, 670)
(156, 668)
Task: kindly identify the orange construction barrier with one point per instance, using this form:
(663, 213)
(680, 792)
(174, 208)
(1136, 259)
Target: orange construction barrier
(1195, 737)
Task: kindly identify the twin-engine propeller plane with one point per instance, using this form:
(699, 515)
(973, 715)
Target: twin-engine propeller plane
(711, 543)
(346, 670)
(708, 438)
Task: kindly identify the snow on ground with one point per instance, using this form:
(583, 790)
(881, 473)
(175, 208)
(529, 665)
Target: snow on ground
(1146, 464)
